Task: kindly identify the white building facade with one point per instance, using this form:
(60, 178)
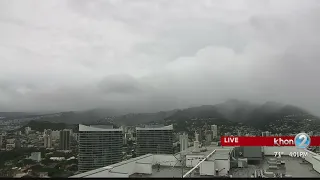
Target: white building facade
(183, 139)
(98, 147)
(214, 129)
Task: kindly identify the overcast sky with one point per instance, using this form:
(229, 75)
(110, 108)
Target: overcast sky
(157, 55)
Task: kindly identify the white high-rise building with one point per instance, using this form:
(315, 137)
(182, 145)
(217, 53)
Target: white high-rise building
(157, 139)
(99, 146)
(27, 130)
(70, 130)
(76, 136)
(47, 139)
(47, 132)
(208, 137)
(196, 148)
(183, 138)
(1, 141)
(125, 139)
(214, 129)
(55, 134)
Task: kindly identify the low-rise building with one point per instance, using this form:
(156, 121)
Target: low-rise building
(10, 147)
(36, 156)
(252, 153)
(57, 158)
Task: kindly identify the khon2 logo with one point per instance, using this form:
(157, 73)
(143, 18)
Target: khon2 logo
(302, 140)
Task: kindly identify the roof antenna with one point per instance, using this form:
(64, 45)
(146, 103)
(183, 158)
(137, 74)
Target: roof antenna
(181, 162)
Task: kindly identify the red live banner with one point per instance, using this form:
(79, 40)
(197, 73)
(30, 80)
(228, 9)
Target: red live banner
(264, 141)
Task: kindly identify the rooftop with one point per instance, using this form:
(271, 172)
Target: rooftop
(96, 128)
(168, 172)
(168, 165)
(293, 167)
(208, 150)
(169, 127)
(164, 171)
(112, 169)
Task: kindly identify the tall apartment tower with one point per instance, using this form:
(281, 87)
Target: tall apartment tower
(47, 138)
(55, 134)
(47, 141)
(154, 140)
(99, 147)
(65, 139)
(208, 137)
(47, 132)
(1, 141)
(200, 133)
(183, 138)
(214, 129)
(27, 130)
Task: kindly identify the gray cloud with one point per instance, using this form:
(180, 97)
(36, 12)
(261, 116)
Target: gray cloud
(120, 84)
(156, 55)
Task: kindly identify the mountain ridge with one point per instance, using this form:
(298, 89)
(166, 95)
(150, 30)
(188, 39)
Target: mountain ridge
(232, 110)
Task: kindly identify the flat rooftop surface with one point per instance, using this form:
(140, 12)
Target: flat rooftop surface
(208, 148)
(293, 167)
(166, 172)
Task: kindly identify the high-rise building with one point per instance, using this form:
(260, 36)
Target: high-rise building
(201, 134)
(71, 131)
(1, 141)
(65, 139)
(214, 129)
(55, 134)
(154, 140)
(99, 147)
(75, 136)
(47, 139)
(209, 137)
(47, 132)
(196, 147)
(27, 130)
(183, 138)
(125, 139)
